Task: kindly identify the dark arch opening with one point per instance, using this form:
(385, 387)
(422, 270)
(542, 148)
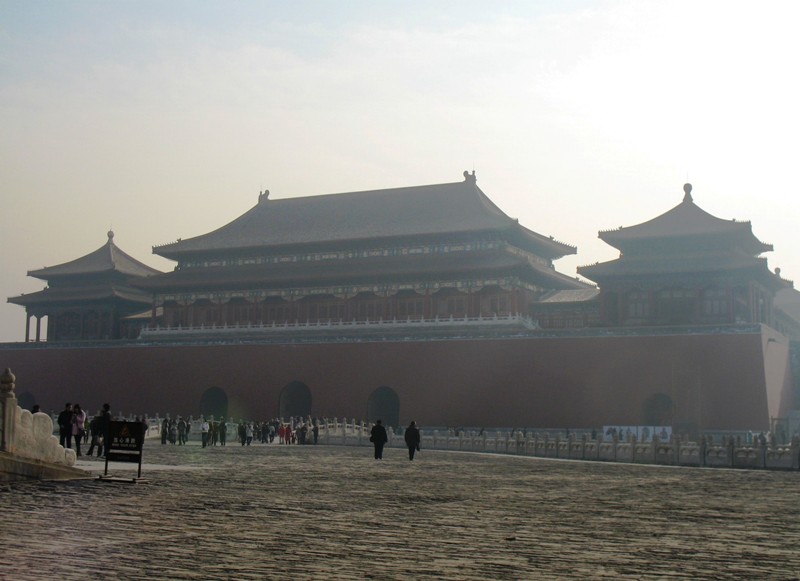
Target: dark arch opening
(657, 410)
(295, 400)
(384, 404)
(214, 402)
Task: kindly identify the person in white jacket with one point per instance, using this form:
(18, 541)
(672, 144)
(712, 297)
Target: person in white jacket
(78, 426)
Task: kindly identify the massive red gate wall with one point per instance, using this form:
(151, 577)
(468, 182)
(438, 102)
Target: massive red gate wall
(713, 381)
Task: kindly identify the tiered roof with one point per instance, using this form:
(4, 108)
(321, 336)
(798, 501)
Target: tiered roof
(686, 221)
(355, 217)
(108, 258)
(369, 270)
(685, 239)
(100, 275)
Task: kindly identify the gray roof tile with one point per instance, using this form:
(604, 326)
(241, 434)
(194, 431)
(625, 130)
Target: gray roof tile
(452, 208)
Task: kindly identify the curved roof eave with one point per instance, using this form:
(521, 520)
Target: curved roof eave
(686, 220)
(107, 258)
(451, 208)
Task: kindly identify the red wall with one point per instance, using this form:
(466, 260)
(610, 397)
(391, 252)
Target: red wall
(716, 381)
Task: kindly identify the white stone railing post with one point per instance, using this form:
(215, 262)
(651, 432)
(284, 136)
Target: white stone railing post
(8, 410)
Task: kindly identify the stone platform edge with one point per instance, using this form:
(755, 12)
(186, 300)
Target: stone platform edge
(15, 469)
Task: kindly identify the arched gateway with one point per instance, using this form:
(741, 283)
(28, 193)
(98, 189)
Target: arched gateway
(384, 404)
(214, 402)
(295, 400)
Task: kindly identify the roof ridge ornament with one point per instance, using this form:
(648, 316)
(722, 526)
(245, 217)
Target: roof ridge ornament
(687, 192)
(263, 196)
(470, 178)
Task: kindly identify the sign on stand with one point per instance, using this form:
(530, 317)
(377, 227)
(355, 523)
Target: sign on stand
(125, 443)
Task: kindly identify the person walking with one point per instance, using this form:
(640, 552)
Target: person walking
(105, 428)
(65, 426)
(97, 435)
(204, 427)
(181, 431)
(412, 439)
(223, 431)
(378, 437)
(78, 426)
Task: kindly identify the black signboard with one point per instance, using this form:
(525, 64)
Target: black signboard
(125, 442)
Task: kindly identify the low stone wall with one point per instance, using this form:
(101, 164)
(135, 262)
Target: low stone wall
(675, 452)
(28, 436)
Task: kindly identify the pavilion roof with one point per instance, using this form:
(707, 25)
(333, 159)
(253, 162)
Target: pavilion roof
(687, 221)
(333, 219)
(702, 263)
(107, 258)
(81, 294)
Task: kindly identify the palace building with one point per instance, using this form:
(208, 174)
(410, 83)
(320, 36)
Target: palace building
(425, 302)
(88, 298)
(415, 253)
(686, 266)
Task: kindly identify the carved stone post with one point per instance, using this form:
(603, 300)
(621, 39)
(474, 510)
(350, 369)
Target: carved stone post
(8, 409)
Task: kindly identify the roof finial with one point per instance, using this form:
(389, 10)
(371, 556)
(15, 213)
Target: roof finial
(110, 234)
(687, 192)
(263, 196)
(470, 177)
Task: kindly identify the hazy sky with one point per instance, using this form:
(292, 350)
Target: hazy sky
(164, 119)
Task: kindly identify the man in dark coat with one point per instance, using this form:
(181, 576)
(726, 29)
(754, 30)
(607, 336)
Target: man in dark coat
(378, 437)
(94, 428)
(105, 428)
(65, 426)
(412, 439)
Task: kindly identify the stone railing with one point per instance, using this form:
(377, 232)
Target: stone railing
(729, 453)
(28, 435)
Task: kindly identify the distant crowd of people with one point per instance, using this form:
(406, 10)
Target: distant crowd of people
(215, 432)
(74, 428)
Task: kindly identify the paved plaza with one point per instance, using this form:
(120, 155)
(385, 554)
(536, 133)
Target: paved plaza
(316, 512)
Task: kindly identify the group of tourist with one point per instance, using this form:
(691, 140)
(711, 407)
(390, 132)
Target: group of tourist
(379, 437)
(215, 432)
(73, 428)
(296, 431)
(175, 431)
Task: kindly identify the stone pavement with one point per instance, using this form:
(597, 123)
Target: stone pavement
(315, 512)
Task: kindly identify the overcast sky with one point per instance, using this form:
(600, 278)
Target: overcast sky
(164, 120)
